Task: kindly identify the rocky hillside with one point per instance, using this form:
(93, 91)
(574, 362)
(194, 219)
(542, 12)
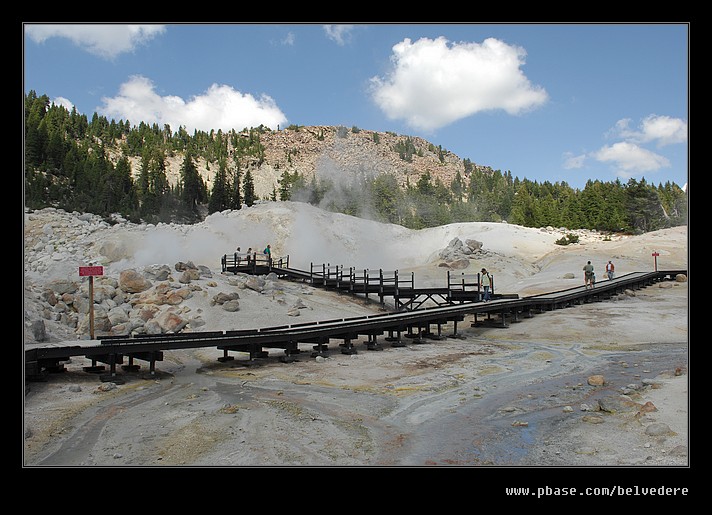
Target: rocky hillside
(336, 153)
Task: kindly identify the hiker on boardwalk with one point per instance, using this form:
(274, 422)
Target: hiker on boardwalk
(588, 280)
(486, 285)
(610, 269)
(268, 253)
(249, 255)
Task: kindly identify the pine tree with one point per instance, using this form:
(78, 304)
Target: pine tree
(193, 188)
(219, 196)
(248, 189)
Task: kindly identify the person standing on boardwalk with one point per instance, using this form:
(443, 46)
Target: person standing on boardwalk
(486, 284)
(588, 275)
(610, 269)
(268, 253)
(249, 255)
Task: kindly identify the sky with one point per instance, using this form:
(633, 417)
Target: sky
(546, 102)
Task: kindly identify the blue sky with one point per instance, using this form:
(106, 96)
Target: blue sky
(548, 102)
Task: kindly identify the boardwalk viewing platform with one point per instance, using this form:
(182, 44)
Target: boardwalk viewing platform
(370, 284)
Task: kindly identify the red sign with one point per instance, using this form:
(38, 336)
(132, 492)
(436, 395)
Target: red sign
(654, 254)
(90, 270)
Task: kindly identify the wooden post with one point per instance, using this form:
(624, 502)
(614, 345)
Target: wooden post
(91, 271)
(91, 307)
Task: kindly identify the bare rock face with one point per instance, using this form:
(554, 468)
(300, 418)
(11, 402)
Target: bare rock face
(457, 254)
(131, 281)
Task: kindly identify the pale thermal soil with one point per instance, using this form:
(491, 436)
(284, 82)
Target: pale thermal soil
(496, 397)
(514, 397)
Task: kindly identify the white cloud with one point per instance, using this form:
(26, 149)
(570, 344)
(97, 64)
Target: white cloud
(106, 41)
(338, 33)
(220, 107)
(662, 130)
(434, 83)
(289, 39)
(573, 162)
(64, 102)
(629, 159)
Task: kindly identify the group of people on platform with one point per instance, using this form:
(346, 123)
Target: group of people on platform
(589, 274)
(249, 256)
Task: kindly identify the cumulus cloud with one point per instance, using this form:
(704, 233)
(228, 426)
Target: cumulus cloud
(220, 107)
(434, 83)
(64, 102)
(661, 130)
(629, 158)
(340, 34)
(105, 41)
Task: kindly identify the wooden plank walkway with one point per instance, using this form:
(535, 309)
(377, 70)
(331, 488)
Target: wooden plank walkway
(365, 282)
(416, 324)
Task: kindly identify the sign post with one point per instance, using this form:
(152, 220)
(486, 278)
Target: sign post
(91, 271)
(655, 255)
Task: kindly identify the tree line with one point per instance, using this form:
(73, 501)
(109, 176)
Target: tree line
(79, 165)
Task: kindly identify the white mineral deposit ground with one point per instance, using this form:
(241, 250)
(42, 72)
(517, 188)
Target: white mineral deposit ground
(513, 398)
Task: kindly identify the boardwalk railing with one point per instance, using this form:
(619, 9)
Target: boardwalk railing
(363, 281)
(464, 287)
(112, 350)
(252, 263)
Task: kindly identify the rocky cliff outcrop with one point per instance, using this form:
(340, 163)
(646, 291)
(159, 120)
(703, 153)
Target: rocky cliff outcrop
(335, 153)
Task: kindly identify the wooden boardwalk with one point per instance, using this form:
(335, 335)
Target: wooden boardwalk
(424, 323)
(369, 284)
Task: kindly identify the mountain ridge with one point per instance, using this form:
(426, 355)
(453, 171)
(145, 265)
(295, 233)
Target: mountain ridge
(333, 152)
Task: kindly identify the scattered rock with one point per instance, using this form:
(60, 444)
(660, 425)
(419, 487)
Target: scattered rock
(131, 281)
(648, 407)
(590, 407)
(658, 429)
(678, 450)
(106, 387)
(231, 305)
(596, 380)
(255, 283)
(617, 404)
(585, 450)
(592, 419)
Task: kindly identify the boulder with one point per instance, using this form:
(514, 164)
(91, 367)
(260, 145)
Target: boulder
(170, 322)
(231, 305)
(191, 274)
(255, 283)
(157, 272)
(131, 281)
(596, 380)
